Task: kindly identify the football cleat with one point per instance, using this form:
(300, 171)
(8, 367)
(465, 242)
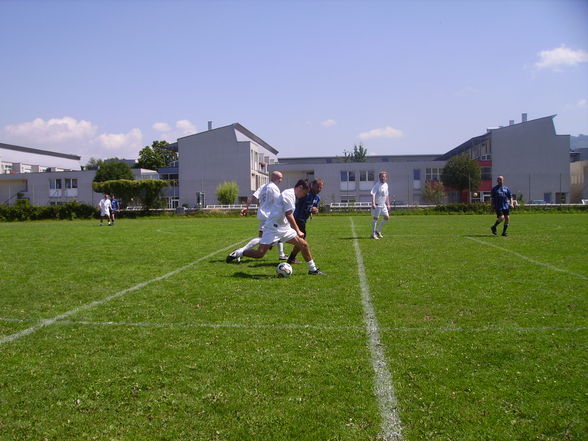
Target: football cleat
(504, 234)
(283, 257)
(374, 236)
(294, 262)
(380, 235)
(316, 272)
(493, 228)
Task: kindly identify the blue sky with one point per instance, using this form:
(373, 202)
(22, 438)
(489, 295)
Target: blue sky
(312, 78)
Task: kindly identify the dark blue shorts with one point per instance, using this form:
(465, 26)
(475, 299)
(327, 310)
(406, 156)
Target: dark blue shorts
(503, 212)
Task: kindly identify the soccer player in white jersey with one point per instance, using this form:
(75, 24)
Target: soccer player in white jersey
(380, 205)
(104, 206)
(266, 196)
(281, 227)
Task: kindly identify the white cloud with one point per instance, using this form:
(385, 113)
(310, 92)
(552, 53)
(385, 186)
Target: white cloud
(69, 135)
(385, 132)
(53, 131)
(467, 91)
(329, 123)
(120, 141)
(582, 103)
(562, 56)
(161, 127)
(183, 128)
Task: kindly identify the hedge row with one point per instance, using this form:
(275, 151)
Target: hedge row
(24, 211)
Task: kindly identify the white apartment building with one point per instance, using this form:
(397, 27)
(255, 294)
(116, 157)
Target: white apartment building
(229, 153)
(533, 158)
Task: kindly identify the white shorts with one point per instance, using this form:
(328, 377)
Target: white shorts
(105, 213)
(380, 211)
(272, 235)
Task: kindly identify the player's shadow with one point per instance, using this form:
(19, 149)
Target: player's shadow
(253, 276)
(250, 264)
(354, 238)
(479, 235)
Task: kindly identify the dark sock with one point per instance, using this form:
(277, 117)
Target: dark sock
(504, 228)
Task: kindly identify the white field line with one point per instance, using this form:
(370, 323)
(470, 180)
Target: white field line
(528, 259)
(51, 321)
(391, 429)
(181, 325)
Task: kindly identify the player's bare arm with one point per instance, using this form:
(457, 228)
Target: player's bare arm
(290, 217)
(250, 200)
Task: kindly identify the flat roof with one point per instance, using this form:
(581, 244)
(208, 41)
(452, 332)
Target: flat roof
(39, 151)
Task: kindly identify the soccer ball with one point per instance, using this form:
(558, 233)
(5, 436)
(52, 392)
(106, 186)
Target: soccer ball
(284, 269)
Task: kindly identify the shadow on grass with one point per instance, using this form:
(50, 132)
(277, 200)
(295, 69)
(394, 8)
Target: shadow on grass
(254, 276)
(479, 235)
(252, 264)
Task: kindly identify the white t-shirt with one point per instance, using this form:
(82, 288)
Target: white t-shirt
(104, 205)
(267, 195)
(380, 191)
(286, 202)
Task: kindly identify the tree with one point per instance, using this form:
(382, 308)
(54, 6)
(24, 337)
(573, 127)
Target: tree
(227, 192)
(146, 191)
(434, 192)
(156, 156)
(112, 169)
(94, 164)
(461, 173)
(358, 155)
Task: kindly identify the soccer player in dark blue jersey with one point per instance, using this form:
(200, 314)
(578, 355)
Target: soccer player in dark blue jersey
(502, 202)
(113, 207)
(306, 207)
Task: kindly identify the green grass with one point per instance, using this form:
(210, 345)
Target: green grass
(482, 342)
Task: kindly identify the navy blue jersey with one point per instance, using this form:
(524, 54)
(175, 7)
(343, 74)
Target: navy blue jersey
(304, 206)
(114, 204)
(501, 197)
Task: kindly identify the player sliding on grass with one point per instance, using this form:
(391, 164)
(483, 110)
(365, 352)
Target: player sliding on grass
(281, 227)
(266, 196)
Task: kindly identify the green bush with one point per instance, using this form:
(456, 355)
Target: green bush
(227, 192)
(23, 211)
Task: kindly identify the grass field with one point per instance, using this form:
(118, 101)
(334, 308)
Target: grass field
(439, 331)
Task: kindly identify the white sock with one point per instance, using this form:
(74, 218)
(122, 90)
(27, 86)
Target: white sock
(381, 225)
(311, 265)
(251, 243)
(281, 248)
(374, 222)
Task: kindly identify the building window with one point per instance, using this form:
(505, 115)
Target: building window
(70, 183)
(55, 184)
(347, 176)
(486, 173)
(433, 174)
(347, 181)
(416, 174)
(366, 176)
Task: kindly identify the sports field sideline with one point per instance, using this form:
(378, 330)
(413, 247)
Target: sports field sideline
(438, 331)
